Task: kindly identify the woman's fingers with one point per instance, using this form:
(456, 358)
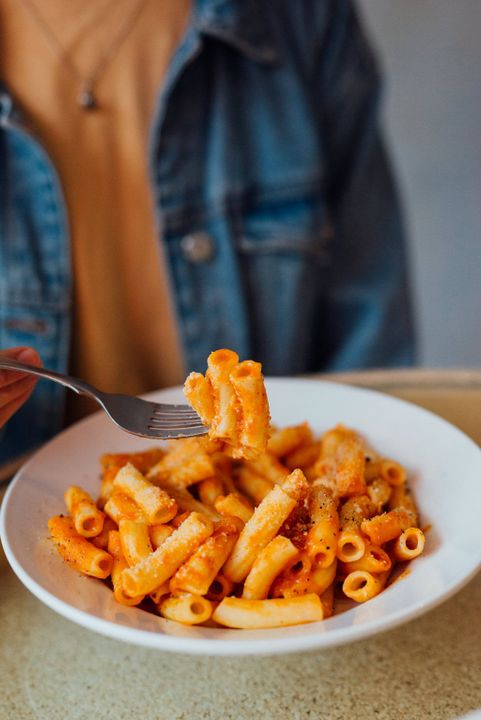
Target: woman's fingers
(16, 387)
(29, 356)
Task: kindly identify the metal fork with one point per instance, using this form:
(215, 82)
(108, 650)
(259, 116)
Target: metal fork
(136, 416)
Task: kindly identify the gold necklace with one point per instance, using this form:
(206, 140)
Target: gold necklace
(86, 97)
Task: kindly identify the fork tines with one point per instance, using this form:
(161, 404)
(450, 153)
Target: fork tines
(183, 410)
(174, 424)
(175, 417)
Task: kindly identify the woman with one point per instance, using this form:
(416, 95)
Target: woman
(181, 176)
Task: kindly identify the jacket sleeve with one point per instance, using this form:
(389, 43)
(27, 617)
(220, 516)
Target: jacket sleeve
(367, 300)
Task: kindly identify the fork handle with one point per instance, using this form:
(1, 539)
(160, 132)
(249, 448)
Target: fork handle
(78, 386)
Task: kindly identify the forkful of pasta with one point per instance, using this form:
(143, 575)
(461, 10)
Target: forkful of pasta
(229, 402)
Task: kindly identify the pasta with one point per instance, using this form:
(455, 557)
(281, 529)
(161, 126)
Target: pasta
(264, 524)
(77, 551)
(154, 502)
(343, 457)
(352, 544)
(241, 613)
(232, 401)
(185, 464)
(112, 462)
(267, 566)
(198, 573)
(102, 539)
(134, 540)
(209, 490)
(188, 609)
(287, 440)
(120, 506)
(119, 564)
(234, 505)
(374, 560)
(409, 544)
(322, 536)
(159, 566)
(253, 485)
(362, 585)
(387, 526)
(249, 527)
(159, 533)
(87, 518)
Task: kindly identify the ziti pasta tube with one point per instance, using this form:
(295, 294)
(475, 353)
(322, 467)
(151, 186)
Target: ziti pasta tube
(250, 614)
(321, 578)
(119, 564)
(159, 533)
(374, 560)
(209, 490)
(286, 440)
(361, 585)
(268, 564)
(77, 551)
(197, 574)
(186, 463)
(351, 544)
(322, 537)
(199, 394)
(402, 498)
(409, 544)
(388, 470)
(160, 565)
(234, 505)
(112, 462)
(220, 364)
(379, 492)
(188, 609)
(264, 524)
(342, 449)
(251, 484)
(269, 467)
(86, 516)
(388, 526)
(253, 427)
(304, 457)
(120, 506)
(154, 502)
(134, 540)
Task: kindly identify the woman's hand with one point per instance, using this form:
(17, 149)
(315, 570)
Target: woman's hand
(16, 387)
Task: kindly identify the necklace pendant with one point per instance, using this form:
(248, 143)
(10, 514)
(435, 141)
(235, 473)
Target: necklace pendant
(87, 100)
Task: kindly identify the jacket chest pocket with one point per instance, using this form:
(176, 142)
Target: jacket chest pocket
(284, 246)
(286, 228)
(41, 326)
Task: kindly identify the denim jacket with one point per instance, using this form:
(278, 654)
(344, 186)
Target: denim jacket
(277, 207)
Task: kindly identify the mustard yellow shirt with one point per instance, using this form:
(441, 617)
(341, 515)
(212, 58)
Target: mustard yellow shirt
(124, 333)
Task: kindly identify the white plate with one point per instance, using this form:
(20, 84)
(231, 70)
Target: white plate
(445, 471)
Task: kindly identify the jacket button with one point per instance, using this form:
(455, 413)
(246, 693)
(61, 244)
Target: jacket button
(197, 247)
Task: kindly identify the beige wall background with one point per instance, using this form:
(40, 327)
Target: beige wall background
(430, 51)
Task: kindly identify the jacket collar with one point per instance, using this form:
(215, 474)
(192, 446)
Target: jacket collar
(243, 24)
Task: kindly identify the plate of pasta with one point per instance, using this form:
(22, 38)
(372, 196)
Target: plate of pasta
(310, 515)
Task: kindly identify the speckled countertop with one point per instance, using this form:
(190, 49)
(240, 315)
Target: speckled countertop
(51, 669)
